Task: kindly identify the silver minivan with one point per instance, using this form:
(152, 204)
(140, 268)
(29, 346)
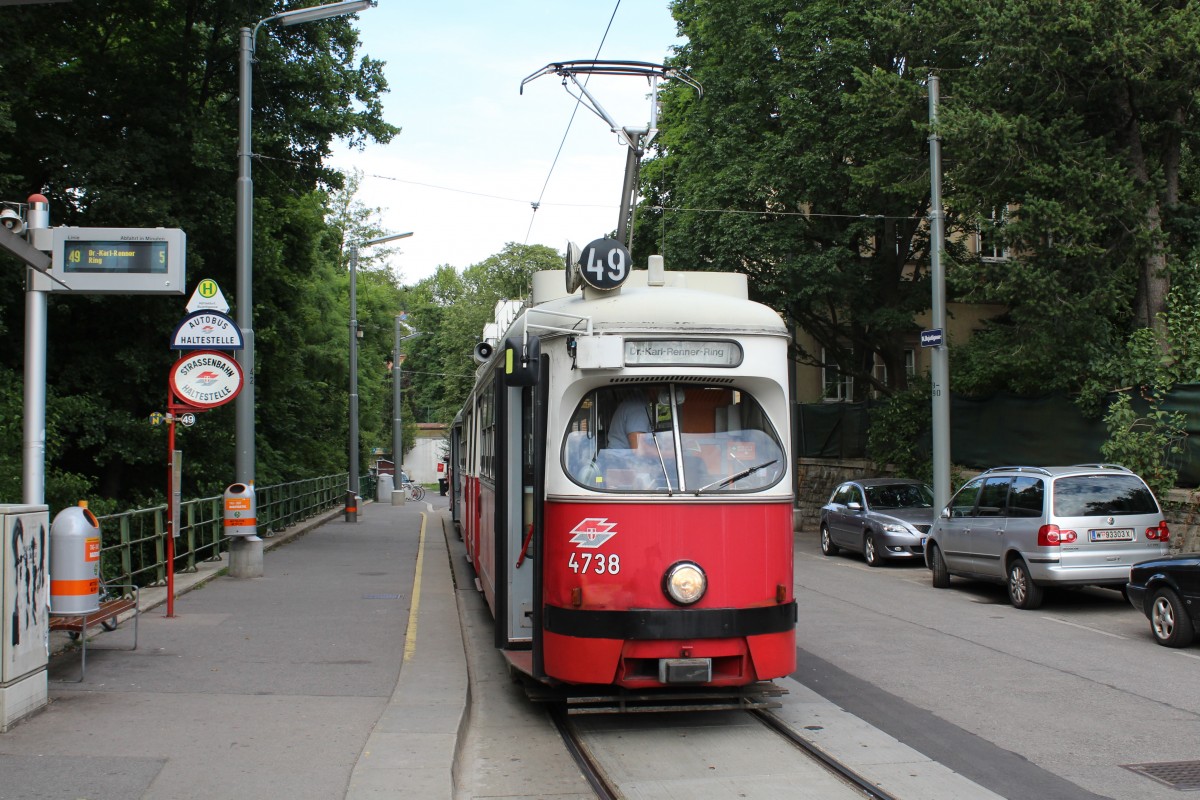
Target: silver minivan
(1032, 527)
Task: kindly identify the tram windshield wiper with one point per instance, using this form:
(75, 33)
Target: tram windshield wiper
(737, 476)
(662, 463)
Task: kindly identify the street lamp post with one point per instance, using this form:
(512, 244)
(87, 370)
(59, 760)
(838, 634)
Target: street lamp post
(397, 431)
(353, 443)
(244, 404)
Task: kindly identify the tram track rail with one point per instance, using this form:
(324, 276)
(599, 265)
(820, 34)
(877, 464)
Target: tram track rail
(605, 788)
(778, 726)
(573, 741)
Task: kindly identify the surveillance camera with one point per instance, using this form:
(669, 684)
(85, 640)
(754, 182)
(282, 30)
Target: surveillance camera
(12, 220)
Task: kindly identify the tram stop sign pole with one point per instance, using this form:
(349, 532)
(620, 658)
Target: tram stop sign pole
(204, 378)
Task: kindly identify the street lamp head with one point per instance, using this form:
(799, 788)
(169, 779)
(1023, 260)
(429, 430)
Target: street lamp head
(315, 13)
(413, 331)
(389, 238)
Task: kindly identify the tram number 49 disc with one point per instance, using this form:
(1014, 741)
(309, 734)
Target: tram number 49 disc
(605, 264)
(187, 420)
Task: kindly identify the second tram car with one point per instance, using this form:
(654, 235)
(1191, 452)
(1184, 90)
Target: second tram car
(622, 478)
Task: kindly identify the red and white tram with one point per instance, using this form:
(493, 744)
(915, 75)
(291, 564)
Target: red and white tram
(661, 561)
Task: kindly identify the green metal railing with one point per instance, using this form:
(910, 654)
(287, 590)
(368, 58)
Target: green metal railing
(134, 544)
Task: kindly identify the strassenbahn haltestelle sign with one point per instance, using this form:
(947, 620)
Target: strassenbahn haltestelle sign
(206, 378)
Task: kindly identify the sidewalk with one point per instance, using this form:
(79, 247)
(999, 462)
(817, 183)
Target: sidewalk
(339, 673)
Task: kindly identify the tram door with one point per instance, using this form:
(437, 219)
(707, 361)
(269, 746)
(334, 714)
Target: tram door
(517, 487)
(458, 460)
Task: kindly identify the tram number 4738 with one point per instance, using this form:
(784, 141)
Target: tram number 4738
(595, 562)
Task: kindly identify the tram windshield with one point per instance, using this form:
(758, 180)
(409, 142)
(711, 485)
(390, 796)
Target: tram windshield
(623, 439)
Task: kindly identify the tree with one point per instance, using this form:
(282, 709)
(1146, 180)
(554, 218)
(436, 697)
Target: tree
(805, 165)
(124, 113)
(452, 309)
(1072, 117)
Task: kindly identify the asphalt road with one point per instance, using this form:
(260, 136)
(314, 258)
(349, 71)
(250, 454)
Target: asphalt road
(1050, 703)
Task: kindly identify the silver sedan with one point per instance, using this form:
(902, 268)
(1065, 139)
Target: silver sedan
(882, 518)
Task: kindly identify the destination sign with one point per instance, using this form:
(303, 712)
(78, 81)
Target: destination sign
(681, 353)
(110, 257)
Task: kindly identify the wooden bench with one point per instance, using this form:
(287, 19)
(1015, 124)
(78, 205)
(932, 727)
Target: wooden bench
(122, 600)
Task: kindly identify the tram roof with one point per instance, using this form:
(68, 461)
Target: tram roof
(690, 302)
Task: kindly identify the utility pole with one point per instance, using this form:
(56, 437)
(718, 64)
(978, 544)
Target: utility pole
(940, 371)
(352, 444)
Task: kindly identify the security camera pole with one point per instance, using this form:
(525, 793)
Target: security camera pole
(33, 462)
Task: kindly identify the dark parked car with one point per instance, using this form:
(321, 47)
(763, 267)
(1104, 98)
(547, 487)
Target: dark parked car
(1167, 591)
(882, 518)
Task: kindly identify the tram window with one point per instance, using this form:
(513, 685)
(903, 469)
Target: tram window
(487, 433)
(527, 435)
(466, 453)
(623, 438)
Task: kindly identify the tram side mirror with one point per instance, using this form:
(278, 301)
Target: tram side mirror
(522, 363)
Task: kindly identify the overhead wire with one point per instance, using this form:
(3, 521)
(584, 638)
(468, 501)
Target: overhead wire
(766, 213)
(489, 196)
(578, 101)
(260, 157)
(812, 214)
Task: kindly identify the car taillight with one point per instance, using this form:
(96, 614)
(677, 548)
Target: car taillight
(1051, 536)
(1160, 533)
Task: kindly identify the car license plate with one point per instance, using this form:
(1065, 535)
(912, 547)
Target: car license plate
(923, 538)
(1112, 535)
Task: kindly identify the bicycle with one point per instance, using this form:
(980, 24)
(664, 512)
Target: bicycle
(415, 491)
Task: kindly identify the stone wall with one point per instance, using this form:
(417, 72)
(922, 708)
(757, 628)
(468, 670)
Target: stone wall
(817, 479)
(1183, 517)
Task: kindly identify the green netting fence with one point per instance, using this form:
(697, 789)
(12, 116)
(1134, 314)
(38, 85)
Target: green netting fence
(1001, 429)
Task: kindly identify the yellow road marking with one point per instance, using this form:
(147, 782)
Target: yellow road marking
(410, 639)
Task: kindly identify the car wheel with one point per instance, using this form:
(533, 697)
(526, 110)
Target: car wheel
(870, 553)
(1169, 620)
(827, 545)
(1022, 591)
(937, 567)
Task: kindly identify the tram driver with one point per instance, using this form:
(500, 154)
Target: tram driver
(631, 420)
(639, 458)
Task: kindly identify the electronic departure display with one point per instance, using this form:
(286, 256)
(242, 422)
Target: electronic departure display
(115, 261)
(107, 257)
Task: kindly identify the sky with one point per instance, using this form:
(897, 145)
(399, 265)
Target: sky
(474, 152)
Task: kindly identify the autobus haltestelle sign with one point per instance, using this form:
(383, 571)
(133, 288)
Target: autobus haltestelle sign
(206, 378)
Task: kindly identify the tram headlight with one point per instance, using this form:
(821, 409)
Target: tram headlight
(685, 583)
